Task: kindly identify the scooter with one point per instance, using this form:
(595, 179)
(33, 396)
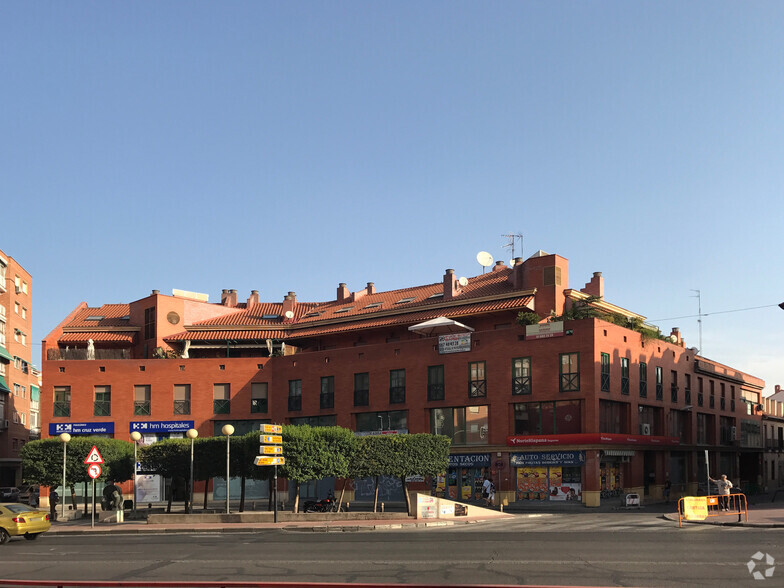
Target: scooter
(327, 504)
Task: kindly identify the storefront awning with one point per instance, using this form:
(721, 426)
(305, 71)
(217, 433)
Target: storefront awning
(3, 386)
(5, 355)
(619, 452)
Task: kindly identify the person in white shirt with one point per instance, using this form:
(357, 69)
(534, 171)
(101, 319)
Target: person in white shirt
(487, 486)
(724, 486)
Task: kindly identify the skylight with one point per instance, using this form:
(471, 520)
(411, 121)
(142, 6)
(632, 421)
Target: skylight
(271, 316)
(314, 313)
(374, 305)
(436, 295)
(95, 317)
(344, 309)
(403, 300)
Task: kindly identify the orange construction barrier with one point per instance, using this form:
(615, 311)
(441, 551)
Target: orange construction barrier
(703, 507)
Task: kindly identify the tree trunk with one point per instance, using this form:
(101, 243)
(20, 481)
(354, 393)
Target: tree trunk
(405, 492)
(206, 490)
(375, 497)
(271, 495)
(73, 495)
(242, 493)
(168, 504)
(296, 498)
(342, 493)
(85, 498)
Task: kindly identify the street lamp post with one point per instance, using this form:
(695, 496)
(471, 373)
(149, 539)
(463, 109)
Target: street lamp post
(192, 434)
(136, 436)
(227, 430)
(65, 438)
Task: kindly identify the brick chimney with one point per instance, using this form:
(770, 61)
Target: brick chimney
(229, 298)
(289, 304)
(451, 287)
(516, 275)
(499, 265)
(369, 289)
(343, 293)
(676, 333)
(596, 286)
(254, 297)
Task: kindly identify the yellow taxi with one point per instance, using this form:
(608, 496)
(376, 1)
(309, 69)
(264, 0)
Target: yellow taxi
(20, 519)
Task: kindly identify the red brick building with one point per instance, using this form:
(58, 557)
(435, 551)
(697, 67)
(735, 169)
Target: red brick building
(570, 409)
(19, 385)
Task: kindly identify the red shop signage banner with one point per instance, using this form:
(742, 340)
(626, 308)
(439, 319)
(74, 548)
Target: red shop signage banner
(589, 439)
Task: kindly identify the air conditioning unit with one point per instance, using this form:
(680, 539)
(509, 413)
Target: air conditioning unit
(733, 433)
(645, 429)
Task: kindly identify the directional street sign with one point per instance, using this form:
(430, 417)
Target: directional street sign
(94, 456)
(270, 449)
(274, 439)
(94, 470)
(267, 461)
(275, 429)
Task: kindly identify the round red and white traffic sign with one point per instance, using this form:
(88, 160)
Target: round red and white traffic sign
(94, 470)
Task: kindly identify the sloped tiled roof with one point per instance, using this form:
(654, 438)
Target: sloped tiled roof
(112, 314)
(244, 335)
(254, 315)
(106, 336)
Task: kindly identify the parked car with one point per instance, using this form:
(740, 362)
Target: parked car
(9, 494)
(19, 519)
(28, 494)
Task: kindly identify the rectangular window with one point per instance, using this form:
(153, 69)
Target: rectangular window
(390, 420)
(182, 399)
(712, 403)
(477, 384)
(570, 372)
(221, 398)
(643, 380)
(327, 420)
(258, 397)
(141, 400)
(702, 429)
(722, 400)
(700, 397)
(361, 389)
(397, 386)
(62, 401)
(464, 425)
(435, 382)
(149, 323)
(687, 389)
(295, 395)
(613, 417)
(544, 418)
(659, 384)
(521, 375)
(327, 396)
(605, 374)
(674, 386)
(625, 376)
(103, 401)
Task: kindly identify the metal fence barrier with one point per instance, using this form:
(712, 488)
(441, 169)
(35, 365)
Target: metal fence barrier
(719, 505)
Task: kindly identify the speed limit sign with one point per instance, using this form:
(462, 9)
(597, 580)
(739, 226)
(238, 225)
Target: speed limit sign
(94, 470)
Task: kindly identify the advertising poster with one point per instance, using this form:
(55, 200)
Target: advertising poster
(532, 483)
(148, 488)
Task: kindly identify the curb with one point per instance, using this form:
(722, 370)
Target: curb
(674, 519)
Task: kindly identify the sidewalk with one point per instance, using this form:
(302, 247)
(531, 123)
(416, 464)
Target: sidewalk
(763, 515)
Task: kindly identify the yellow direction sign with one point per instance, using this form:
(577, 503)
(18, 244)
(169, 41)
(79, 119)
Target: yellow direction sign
(265, 461)
(695, 508)
(274, 439)
(270, 449)
(274, 429)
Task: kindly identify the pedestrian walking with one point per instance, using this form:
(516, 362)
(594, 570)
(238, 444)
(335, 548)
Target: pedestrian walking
(54, 500)
(724, 486)
(486, 486)
(667, 488)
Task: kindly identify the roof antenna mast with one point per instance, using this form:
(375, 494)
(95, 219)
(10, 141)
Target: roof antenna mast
(511, 245)
(699, 316)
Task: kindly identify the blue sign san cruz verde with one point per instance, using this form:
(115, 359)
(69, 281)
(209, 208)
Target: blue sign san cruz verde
(161, 426)
(81, 428)
(548, 458)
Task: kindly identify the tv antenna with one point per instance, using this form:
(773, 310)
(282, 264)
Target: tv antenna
(511, 244)
(484, 259)
(699, 316)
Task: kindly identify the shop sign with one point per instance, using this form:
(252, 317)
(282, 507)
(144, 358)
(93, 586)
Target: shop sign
(590, 438)
(469, 460)
(548, 458)
(454, 343)
(695, 508)
(81, 428)
(161, 426)
(384, 432)
(544, 330)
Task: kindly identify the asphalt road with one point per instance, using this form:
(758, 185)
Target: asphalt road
(585, 550)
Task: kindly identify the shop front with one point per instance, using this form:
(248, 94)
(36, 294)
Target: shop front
(463, 480)
(611, 471)
(549, 475)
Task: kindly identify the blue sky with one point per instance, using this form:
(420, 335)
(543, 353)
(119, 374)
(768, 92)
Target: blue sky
(294, 145)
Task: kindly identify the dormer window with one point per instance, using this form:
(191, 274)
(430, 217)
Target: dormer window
(404, 300)
(271, 317)
(373, 305)
(344, 309)
(95, 317)
(436, 295)
(312, 314)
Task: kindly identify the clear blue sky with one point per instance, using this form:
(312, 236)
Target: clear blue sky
(293, 145)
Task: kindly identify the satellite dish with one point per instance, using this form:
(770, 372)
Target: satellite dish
(512, 262)
(484, 259)
(288, 314)
(463, 282)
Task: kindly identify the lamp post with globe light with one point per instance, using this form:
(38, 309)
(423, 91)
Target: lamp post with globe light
(192, 434)
(65, 438)
(136, 436)
(227, 430)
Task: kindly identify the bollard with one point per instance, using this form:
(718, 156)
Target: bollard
(382, 507)
(120, 516)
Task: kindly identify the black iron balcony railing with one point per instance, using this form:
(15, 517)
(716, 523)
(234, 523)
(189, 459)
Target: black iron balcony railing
(477, 388)
(712, 403)
(182, 407)
(397, 394)
(659, 392)
(605, 382)
(643, 389)
(221, 406)
(62, 409)
(327, 400)
(102, 408)
(141, 407)
(361, 397)
(258, 405)
(435, 391)
(722, 404)
(687, 396)
(700, 399)
(521, 385)
(570, 382)
(295, 403)
(625, 386)
(674, 393)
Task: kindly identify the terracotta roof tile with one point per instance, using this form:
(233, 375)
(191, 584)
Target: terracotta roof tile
(258, 335)
(112, 316)
(113, 337)
(254, 315)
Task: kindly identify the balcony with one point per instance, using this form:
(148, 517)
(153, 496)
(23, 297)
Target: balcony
(477, 388)
(70, 354)
(521, 385)
(182, 407)
(397, 394)
(774, 444)
(141, 408)
(659, 392)
(435, 391)
(102, 408)
(258, 405)
(61, 409)
(221, 406)
(625, 386)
